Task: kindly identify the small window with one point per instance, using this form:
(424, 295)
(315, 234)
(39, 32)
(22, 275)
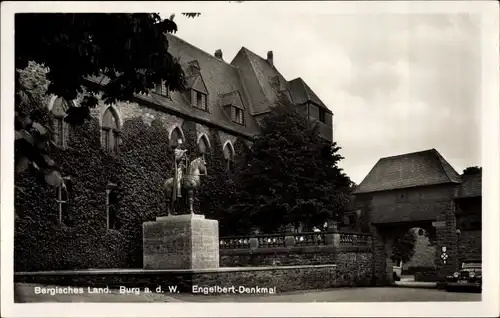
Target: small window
(63, 202)
(175, 136)
(161, 89)
(322, 115)
(203, 146)
(237, 115)
(110, 132)
(229, 157)
(352, 220)
(347, 220)
(199, 100)
(60, 126)
(402, 197)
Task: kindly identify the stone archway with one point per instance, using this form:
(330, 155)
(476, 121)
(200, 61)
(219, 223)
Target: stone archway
(446, 243)
(424, 256)
(384, 236)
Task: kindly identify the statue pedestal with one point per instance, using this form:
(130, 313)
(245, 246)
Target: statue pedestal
(181, 242)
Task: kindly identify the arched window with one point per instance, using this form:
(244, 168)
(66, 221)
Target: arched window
(63, 202)
(228, 156)
(110, 130)
(203, 145)
(175, 135)
(61, 128)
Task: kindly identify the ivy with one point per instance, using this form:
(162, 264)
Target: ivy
(139, 170)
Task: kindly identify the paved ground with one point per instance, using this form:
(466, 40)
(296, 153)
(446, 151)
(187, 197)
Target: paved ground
(26, 293)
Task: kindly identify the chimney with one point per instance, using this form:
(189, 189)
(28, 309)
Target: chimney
(270, 57)
(218, 54)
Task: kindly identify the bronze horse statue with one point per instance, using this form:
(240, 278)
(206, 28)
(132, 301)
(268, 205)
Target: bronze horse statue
(189, 181)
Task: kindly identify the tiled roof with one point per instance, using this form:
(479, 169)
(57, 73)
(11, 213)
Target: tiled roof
(265, 83)
(218, 77)
(409, 170)
(232, 98)
(407, 212)
(471, 186)
(249, 81)
(301, 93)
(196, 82)
(256, 73)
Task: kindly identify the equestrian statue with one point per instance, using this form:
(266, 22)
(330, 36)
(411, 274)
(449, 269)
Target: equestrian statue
(186, 177)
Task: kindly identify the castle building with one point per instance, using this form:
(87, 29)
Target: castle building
(114, 165)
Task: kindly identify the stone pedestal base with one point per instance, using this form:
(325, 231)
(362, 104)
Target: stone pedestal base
(181, 242)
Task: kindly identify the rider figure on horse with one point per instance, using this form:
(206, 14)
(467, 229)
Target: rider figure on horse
(180, 165)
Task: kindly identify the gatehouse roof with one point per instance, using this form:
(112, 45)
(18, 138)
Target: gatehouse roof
(409, 170)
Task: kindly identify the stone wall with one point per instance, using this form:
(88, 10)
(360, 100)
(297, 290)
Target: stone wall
(351, 253)
(414, 195)
(281, 278)
(383, 234)
(469, 245)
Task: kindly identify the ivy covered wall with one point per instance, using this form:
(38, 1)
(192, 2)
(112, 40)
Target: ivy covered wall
(143, 163)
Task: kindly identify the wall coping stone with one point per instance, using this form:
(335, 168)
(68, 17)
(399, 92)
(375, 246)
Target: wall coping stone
(133, 271)
(180, 217)
(293, 249)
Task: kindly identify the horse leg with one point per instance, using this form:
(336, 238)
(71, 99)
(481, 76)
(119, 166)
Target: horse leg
(167, 203)
(191, 200)
(168, 199)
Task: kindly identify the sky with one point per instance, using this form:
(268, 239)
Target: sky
(396, 83)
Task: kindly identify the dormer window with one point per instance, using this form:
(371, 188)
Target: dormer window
(161, 89)
(198, 90)
(199, 100)
(237, 115)
(322, 115)
(233, 107)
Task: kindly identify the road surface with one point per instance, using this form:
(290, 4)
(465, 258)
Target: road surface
(26, 293)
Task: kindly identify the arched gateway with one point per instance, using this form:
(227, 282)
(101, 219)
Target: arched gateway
(418, 190)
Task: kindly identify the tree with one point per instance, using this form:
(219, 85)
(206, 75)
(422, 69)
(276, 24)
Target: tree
(129, 49)
(404, 247)
(289, 176)
(472, 170)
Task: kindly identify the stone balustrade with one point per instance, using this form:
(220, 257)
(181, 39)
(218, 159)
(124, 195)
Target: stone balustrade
(335, 239)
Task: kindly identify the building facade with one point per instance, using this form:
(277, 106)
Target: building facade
(422, 191)
(115, 164)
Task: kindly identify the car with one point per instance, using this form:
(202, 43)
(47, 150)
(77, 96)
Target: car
(397, 270)
(469, 277)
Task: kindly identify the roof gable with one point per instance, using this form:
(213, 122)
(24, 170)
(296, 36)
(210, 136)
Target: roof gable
(196, 82)
(256, 73)
(233, 99)
(408, 170)
(301, 93)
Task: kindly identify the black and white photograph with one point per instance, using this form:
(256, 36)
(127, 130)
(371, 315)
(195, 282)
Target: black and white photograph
(231, 153)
